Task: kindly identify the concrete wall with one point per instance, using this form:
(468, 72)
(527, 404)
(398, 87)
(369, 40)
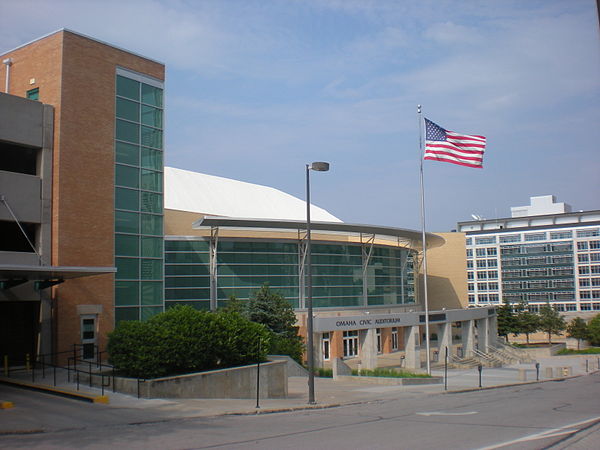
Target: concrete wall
(447, 273)
(236, 382)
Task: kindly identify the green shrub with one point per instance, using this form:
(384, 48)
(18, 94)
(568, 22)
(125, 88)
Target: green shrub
(587, 351)
(324, 373)
(183, 340)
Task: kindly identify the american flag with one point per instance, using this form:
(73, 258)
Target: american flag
(448, 146)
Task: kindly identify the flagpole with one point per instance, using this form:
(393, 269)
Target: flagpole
(424, 243)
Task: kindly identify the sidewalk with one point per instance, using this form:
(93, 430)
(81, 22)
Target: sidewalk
(328, 393)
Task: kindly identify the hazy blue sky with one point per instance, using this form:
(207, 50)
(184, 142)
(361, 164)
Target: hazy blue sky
(255, 89)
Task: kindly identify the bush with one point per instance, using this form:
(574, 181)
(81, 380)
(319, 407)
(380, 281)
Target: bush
(183, 340)
(587, 351)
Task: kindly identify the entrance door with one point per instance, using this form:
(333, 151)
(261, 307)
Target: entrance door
(88, 335)
(18, 330)
(350, 341)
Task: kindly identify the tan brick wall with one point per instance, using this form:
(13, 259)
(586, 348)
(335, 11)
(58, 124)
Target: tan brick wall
(447, 273)
(77, 76)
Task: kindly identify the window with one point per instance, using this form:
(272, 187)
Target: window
(596, 306)
(482, 275)
(594, 245)
(470, 276)
(482, 286)
(594, 257)
(510, 238)
(469, 264)
(559, 307)
(481, 264)
(584, 282)
(494, 298)
(582, 245)
(585, 294)
(492, 263)
(471, 287)
(595, 269)
(583, 257)
(493, 286)
(469, 253)
(33, 94)
(482, 298)
(571, 307)
(561, 234)
(491, 251)
(350, 343)
(471, 298)
(586, 306)
(469, 241)
(595, 294)
(492, 274)
(595, 282)
(394, 338)
(535, 236)
(326, 346)
(480, 251)
(378, 334)
(588, 233)
(485, 240)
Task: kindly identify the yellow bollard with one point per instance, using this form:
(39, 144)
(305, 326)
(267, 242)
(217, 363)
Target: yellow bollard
(5, 365)
(27, 365)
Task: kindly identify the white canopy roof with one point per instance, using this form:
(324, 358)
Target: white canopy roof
(217, 196)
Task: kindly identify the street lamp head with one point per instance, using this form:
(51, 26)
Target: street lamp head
(319, 166)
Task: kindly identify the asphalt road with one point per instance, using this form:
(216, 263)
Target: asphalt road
(532, 416)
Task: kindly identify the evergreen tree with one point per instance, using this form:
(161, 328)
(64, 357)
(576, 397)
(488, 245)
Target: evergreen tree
(526, 321)
(506, 320)
(271, 309)
(594, 330)
(578, 329)
(551, 321)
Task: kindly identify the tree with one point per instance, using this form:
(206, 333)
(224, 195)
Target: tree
(550, 321)
(594, 330)
(577, 329)
(506, 320)
(526, 321)
(271, 309)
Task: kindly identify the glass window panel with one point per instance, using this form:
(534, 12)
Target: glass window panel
(127, 199)
(187, 282)
(151, 224)
(191, 269)
(127, 131)
(193, 258)
(152, 95)
(127, 153)
(127, 222)
(151, 269)
(127, 87)
(151, 137)
(151, 181)
(201, 246)
(151, 202)
(127, 245)
(33, 94)
(152, 292)
(152, 159)
(126, 109)
(152, 246)
(127, 268)
(149, 312)
(127, 293)
(187, 294)
(152, 116)
(127, 176)
(126, 314)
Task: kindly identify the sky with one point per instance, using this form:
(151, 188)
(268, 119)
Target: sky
(257, 89)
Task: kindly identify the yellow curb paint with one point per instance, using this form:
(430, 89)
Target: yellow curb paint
(101, 399)
(6, 405)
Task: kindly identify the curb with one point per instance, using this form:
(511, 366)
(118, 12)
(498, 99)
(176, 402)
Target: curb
(91, 398)
(6, 405)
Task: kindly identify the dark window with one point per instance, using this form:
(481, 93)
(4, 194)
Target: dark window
(33, 94)
(12, 238)
(15, 158)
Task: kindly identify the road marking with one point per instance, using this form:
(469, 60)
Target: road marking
(566, 429)
(441, 413)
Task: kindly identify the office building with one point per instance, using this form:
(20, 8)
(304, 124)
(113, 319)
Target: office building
(544, 252)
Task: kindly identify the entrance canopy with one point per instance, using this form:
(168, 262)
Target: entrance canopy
(13, 275)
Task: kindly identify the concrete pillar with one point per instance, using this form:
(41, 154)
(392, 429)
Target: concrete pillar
(482, 335)
(412, 358)
(468, 338)
(444, 339)
(318, 349)
(368, 349)
(493, 330)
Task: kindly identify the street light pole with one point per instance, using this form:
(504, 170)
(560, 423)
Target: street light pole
(319, 167)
